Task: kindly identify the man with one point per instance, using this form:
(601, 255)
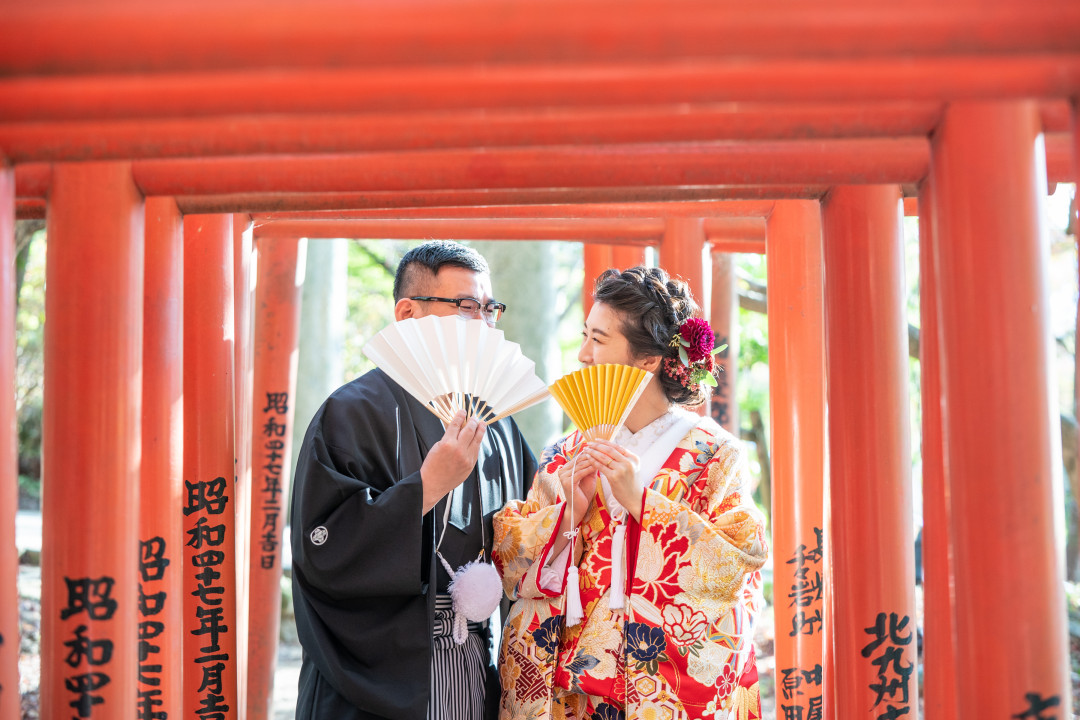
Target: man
(372, 609)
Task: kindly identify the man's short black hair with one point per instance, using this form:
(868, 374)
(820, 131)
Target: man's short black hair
(431, 257)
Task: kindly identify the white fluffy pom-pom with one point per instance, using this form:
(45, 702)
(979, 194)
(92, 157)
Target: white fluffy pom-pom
(476, 590)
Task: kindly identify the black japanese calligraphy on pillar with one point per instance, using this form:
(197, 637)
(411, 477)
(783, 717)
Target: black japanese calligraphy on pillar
(892, 690)
(152, 599)
(805, 594)
(89, 654)
(801, 688)
(800, 693)
(274, 429)
(209, 499)
(1039, 708)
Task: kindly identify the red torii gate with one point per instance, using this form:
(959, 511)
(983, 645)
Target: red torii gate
(486, 103)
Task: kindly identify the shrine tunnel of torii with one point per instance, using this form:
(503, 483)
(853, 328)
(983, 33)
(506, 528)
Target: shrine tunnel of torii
(159, 137)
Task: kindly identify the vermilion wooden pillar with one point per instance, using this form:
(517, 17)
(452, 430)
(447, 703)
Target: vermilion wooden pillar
(598, 258)
(209, 500)
(938, 607)
(682, 254)
(870, 538)
(797, 413)
(1074, 220)
(243, 353)
(9, 493)
(998, 418)
(160, 535)
(627, 256)
(91, 442)
(277, 333)
(724, 317)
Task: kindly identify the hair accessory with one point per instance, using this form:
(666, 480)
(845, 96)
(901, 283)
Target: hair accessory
(695, 363)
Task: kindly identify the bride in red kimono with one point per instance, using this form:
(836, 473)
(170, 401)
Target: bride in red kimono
(669, 545)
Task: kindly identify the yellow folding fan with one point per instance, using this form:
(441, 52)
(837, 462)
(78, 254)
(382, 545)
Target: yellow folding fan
(599, 397)
(449, 364)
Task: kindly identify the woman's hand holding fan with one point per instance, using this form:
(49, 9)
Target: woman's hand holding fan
(578, 480)
(598, 399)
(619, 467)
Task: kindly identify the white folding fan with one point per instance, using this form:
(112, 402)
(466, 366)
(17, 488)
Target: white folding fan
(599, 397)
(450, 364)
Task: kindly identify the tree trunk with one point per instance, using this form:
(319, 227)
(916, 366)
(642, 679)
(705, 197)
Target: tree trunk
(1069, 446)
(24, 235)
(323, 307)
(521, 277)
(757, 428)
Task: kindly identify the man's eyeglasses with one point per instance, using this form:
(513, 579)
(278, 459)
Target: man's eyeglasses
(471, 307)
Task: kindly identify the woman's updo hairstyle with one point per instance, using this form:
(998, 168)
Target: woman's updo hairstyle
(651, 307)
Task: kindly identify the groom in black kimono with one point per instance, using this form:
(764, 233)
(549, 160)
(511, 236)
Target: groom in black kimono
(366, 582)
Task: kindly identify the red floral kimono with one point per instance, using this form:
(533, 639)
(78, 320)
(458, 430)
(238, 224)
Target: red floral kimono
(681, 645)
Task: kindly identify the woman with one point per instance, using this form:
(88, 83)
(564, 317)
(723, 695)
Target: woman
(668, 547)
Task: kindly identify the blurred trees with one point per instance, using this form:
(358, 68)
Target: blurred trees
(29, 354)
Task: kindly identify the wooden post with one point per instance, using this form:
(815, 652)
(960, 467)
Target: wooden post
(1074, 221)
(797, 414)
(598, 258)
(939, 645)
(682, 254)
(160, 534)
(243, 354)
(9, 483)
(724, 317)
(91, 442)
(627, 256)
(870, 538)
(277, 333)
(209, 504)
(1001, 450)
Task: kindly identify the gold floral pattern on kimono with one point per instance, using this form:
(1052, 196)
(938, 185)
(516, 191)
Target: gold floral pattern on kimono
(682, 645)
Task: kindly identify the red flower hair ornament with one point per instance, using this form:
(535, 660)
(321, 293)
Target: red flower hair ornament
(695, 364)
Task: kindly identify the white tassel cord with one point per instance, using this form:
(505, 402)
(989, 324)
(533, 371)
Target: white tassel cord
(476, 588)
(574, 613)
(615, 596)
(461, 625)
(461, 628)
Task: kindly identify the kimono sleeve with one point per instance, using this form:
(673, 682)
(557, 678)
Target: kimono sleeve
(698, 549)
(525, 531)
(357, 526)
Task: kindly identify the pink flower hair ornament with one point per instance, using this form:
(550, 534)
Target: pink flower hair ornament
(696, 363)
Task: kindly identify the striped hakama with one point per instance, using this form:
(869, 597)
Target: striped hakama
(457, 671)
